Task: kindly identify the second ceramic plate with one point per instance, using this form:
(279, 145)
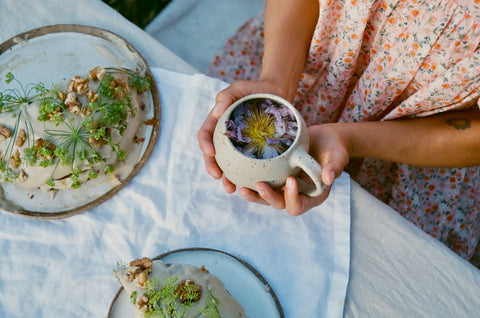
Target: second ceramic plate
(245, 284)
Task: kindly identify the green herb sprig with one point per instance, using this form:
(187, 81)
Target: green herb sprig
(74, 136)
(164, 300)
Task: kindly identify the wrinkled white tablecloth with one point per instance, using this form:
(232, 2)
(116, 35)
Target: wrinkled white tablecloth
(396, 270)
(63, 268)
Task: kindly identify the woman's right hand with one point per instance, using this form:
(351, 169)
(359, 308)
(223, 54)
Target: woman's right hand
(223, 100)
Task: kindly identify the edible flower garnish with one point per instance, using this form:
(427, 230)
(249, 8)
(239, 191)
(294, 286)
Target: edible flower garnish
(261, 128)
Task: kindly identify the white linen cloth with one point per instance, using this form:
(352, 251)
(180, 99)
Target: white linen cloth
(63, 268)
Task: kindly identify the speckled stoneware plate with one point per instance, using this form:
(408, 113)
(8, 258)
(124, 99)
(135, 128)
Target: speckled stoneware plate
(241, 280)
(58, 52)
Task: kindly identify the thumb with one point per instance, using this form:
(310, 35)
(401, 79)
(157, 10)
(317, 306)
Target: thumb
(330, 173)
(224, 99)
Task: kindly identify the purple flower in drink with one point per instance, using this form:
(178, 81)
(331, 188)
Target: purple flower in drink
(261, 128)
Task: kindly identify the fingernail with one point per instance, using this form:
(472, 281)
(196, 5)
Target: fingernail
(209, 150)
(289, 183)
(216, 110)
(260, 190)
(331, 177)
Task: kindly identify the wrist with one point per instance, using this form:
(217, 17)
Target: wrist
(281, 86)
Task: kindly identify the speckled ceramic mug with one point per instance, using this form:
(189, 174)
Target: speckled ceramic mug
(244, 171)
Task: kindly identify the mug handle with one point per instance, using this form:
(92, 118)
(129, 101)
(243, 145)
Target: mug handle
(312, 168)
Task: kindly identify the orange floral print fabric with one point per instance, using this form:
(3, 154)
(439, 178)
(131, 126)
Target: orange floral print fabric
(381, 60)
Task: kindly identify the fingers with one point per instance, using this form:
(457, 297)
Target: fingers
(297, 204)
(288, 198)
(212, 167)
(270, 196)
(293, 202)
(328, 174)
(251, 196)
(227, 97)
(229, 187)
(205, 136)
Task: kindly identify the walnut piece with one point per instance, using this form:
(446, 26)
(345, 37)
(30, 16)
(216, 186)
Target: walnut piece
(150, 122)
(185, 290)
(21, 137)
(97, 73)
(78, 84)
(73, 103)
(92, 96)
(40, 142)
(22, 176)
(142, 263)
(143, 276)
(15, 160)
(142, 302)
(100, 142)
(4, 133)
(62, 95)
(139, 270)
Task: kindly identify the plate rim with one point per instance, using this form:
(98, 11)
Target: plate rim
(207, 249)
(100, 33)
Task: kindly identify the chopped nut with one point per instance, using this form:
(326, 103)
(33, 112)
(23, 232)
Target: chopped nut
(22, 176)
(100, 142)
(21, 137)
(150, 122)
(72, 103)
(119, 94)
(82, 88)
(78, 84)
(139, 270)
(185, 294)
(40, 142)
(62, 95)
(97, 73)
(142, 302)
(72, 85)
(92, 96)
(51, 115)
(86, 110)
(4, 133)
(130, 276)
(138, 140)
(97, 143)
(134, 270)
(143, 263)
(15, 160)
(142, 277)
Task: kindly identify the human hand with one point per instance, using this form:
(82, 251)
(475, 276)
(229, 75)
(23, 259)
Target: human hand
(329, 145)
(223, 100)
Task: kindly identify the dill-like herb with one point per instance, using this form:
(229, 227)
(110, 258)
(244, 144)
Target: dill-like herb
(74, 138)
(164, 299)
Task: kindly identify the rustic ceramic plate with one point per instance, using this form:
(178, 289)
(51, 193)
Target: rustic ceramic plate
(54, 53)
(241, 280)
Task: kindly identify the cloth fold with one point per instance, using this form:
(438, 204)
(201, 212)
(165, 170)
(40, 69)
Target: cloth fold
(64, 267)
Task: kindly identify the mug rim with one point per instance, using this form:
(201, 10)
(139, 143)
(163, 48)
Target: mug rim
(276, 99)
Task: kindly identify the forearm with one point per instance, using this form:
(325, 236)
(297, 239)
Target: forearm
(289, 26)
(445, 140)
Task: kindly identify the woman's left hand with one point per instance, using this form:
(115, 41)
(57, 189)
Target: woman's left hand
(331, 149)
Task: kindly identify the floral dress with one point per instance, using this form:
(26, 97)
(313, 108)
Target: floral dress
(381, 60)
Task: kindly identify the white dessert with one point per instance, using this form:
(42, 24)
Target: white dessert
(71, 117)
(159, 289)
